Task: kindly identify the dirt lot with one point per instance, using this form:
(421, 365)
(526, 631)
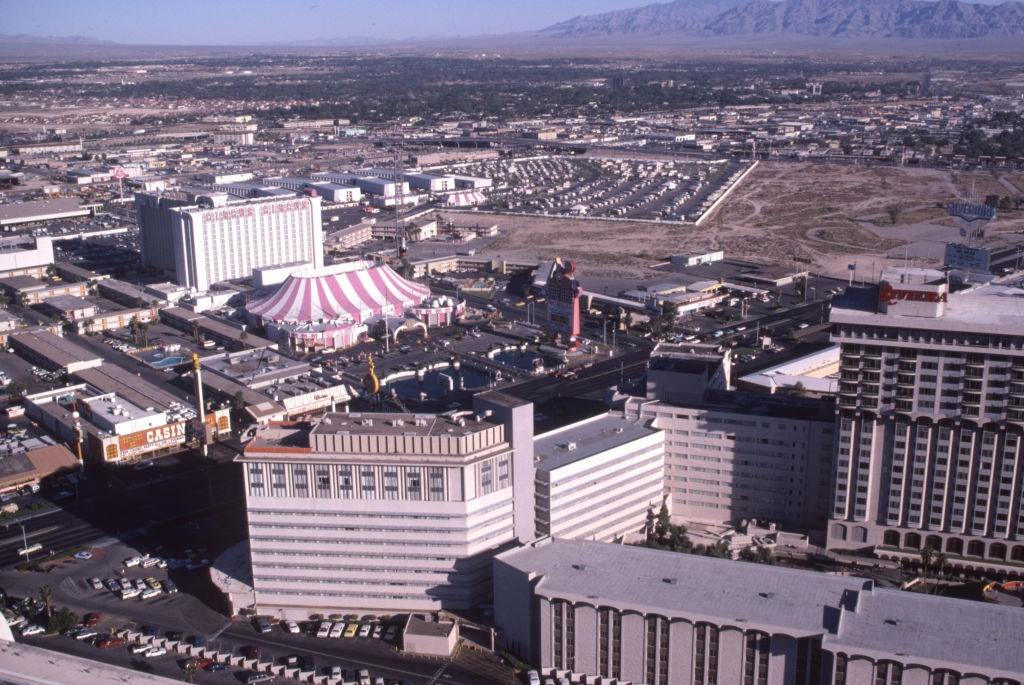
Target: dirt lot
(821, 216)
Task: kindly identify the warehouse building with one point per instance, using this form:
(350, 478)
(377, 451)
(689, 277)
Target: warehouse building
(53, 352)
(630, 614)
(17, 213)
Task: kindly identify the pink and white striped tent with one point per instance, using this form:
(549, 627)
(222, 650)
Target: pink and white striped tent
(352, 295)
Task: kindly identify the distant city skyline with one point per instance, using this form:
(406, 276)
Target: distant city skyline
(250, 22)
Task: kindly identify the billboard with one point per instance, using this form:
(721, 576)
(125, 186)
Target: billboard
(169, 435)
(968, 258)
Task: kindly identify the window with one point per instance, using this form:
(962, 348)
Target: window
(322, 475)
(345, 481)
(368, 482)
(300, 480)
(413, 482)
(435, 480)
(390, 482)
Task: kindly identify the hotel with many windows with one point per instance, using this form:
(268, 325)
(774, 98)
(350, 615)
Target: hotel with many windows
(930, 443)
(208, 237)
(377, 512)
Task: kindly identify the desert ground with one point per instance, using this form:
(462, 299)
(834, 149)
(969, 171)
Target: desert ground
(816, 216)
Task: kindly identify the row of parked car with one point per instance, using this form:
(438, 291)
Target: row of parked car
(127, 588)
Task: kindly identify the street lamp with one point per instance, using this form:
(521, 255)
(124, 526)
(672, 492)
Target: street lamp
(24, 542)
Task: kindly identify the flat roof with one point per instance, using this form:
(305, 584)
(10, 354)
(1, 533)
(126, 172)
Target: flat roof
(54, 348)
(68, 302)
(670, 583)
(987, 309)
(21, 283)
(40, 209)
(791, 601)
(22, 664)
(588, 437)
(134, 389)
(386, 423)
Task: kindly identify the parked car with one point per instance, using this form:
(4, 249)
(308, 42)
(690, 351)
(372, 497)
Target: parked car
(96, 584)
(83, 556)
(154, 652)
(290, 627)
(139, 649)
(174, 635)
(85, 634)
(364, 630)
(261, 625)
(32, 629)
(91, 619)
(111, 643)
(251, 652)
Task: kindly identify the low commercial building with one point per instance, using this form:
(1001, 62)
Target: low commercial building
(28, 290)
(597, 479)
(27, 462)
(111, 321)
(70, 308)
(114, 428)
(16, 214)
(331, 192)
(52, 351)
(815, 374)
(25, 256)
(631, 614)
(350, 236)
(380, 512)
(428, 636)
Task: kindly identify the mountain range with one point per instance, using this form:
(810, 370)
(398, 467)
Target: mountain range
(833, 19)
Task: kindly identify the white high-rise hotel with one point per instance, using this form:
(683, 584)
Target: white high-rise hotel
(931, 417)
(208, 238)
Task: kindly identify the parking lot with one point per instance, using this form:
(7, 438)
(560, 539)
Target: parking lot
(192, 613)
(672, 190)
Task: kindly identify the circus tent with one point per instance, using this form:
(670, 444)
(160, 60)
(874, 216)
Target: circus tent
(330, 294)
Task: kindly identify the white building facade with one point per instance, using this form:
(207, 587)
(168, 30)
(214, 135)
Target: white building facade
(931, 427)
(377, 512)
(597, 479)
(219, 239)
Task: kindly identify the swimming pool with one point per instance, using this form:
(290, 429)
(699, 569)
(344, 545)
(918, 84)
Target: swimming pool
(167, 362)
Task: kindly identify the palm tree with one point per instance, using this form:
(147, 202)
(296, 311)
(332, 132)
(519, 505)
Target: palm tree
(927, 556)
(46, 597)
(242, 337)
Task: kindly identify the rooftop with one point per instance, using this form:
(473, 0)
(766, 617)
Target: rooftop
(22, 664)
(382, 423)
(586, 438)
(779, 599)
(26, 211)
(994, 308)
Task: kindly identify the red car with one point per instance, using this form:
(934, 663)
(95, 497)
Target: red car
(203, 663)
(111, 643)
(90, 620)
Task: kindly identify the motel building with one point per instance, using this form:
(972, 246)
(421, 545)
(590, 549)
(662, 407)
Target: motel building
(114, 430)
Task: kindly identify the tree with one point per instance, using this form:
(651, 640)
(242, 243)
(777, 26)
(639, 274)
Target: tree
(927, 556)
(46, 597)
(649, 523)
(669, 311)
(189, 671)
(663, 524)
(1006, 203)
(62, 620)
(15, 390)
(894, 212)
(626, 319)
(992, 200)
(243, 337)
(758, 554)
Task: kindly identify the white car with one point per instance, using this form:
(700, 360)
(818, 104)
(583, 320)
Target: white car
(129, 593)
(95, 583)
(132, 562)
(83, 556)
(32, 630)
(140, 648)
(85, 634)
(149, 593)
(155, 651)
(324, 629)
(290, 626)
(337, 629)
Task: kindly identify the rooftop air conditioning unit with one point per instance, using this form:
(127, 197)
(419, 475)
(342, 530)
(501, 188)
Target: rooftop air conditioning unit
(570, 446)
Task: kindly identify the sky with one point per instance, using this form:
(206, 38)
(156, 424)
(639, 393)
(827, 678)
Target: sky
(248, 22)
